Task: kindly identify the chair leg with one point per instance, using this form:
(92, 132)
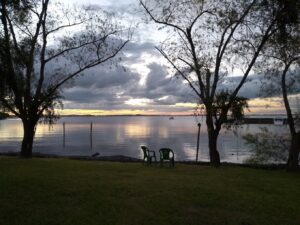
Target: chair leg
(149, 161)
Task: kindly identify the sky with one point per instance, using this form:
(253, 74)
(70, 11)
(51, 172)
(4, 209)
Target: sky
(142, 83)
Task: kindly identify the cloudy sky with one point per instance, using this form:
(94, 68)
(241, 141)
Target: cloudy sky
(142, 83)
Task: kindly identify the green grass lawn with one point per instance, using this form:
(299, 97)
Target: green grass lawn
(70, 192)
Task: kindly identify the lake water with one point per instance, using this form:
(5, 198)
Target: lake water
(123, 135)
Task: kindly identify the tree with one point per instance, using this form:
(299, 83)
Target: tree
(3, 86)
(207, 39)
(282, 60)
(43, 48)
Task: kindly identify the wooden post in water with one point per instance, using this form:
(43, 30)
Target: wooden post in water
(91, 135)
(198, 141)
(64, 135)
(238, 145)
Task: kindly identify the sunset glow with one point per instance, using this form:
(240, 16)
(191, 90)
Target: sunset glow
(144, 107)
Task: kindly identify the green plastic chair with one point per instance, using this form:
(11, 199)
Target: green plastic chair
(167, 155)
(148, 155)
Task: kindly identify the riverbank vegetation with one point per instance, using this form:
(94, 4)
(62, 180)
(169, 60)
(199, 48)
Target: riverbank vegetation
(63, 191)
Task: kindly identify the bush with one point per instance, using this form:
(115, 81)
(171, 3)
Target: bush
(267, 147)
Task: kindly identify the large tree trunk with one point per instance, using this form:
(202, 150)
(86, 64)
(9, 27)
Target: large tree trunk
(212, 141)
(294, 152)
(213, 151)
(292, 162)
(29, 132)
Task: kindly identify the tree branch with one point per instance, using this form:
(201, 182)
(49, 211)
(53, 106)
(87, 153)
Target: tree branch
(29, 67)
(196, 62)
(11, 28)
(158, 21)
(186, 62)
(8, 106)
(78, 46)
(269, 32)
(65, 26)
(180, 72)
(223, 45)
(80, 70)
(42, 57)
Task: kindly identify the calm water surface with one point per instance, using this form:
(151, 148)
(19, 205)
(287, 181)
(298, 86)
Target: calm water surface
(123, 135)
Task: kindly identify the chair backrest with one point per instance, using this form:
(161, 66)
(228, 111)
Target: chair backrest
(145, 151)
(165, 153)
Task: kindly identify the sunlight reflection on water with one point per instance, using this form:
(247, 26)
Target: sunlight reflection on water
(123, 135)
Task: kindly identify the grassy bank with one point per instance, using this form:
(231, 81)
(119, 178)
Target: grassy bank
(63, 192)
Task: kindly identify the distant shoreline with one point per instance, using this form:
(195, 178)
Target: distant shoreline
(270, 116)
(251, 119)
(168, 115)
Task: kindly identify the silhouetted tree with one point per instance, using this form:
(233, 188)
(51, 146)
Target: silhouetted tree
(281, 63)
(43, 47)
(206, 40)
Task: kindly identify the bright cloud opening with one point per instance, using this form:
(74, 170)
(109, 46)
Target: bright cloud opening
(138, 101)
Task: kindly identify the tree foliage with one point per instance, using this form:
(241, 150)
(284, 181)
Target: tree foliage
(235, 112)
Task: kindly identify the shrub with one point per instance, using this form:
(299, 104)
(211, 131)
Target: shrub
(267, 147)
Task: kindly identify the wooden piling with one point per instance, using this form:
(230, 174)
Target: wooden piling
(64, 135)
(198, 141)
(91, 135)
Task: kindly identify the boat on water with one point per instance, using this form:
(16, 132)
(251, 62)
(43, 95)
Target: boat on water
(171, 118)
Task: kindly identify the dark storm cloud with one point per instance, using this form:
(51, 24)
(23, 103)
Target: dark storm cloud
(139, 48)
(135, 51)
(99, 96)
(158, 85)
(101, 85)
(105, 77)
(110, 89)
(122, 7)
(254, 88)
(119, 7)
(250, 89)
(104, 87)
